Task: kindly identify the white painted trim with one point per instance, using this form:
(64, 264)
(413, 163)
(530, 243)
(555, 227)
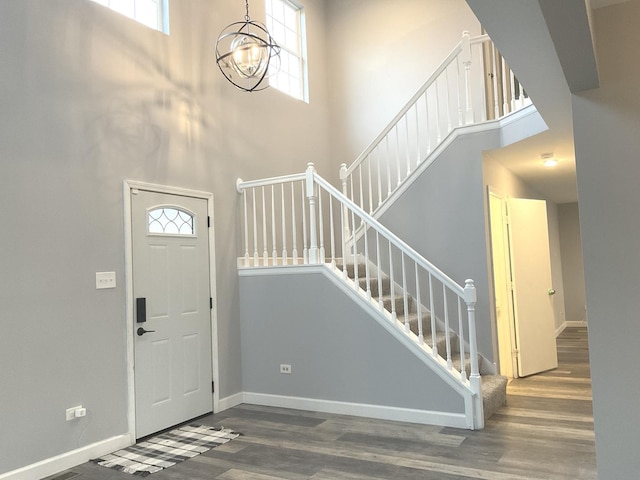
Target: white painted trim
(230, 401)
(381, 412)
(59, 463)
(128, 186)
(560, 329)
(576, 323)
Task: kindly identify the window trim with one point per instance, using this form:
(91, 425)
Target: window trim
(162, 22)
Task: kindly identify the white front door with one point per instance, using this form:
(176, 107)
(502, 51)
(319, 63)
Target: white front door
(172, 315)
(532, 287)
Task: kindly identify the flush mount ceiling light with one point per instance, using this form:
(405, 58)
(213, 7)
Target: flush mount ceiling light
(247, 54)
(548, 160)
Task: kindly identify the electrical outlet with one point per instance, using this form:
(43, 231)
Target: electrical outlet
(75, 412)
(284, 368)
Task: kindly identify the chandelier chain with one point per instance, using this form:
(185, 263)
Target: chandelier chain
(246, 5)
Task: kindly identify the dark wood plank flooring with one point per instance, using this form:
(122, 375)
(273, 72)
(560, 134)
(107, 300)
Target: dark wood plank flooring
(544, 432)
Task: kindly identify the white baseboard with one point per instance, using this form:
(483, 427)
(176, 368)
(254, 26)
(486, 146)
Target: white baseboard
(445, 419)
(560, 329)
(53, 465)
(576, 323)
(228, 402)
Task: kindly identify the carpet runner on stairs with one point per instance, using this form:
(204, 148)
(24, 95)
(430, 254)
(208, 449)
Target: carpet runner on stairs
(494, 387)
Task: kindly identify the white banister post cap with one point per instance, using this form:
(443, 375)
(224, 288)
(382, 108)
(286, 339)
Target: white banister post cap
(238, 183)
(470, 291)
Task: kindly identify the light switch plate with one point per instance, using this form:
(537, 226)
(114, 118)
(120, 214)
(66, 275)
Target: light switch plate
(105, 280)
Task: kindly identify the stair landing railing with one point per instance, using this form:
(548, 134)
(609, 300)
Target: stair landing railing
(302, 219)
(473, 84)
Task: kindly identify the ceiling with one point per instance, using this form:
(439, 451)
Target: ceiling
(548, 45)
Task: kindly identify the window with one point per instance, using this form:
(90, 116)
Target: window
(152, 13)
(170, 221)
(285, 22)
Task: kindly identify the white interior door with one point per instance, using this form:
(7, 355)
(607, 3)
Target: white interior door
(172, 325)
(532, 287)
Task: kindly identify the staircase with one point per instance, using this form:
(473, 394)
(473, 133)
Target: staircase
(301, 219)
(494, 387)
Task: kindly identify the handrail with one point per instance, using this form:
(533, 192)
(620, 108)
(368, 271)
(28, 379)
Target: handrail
(389, 235)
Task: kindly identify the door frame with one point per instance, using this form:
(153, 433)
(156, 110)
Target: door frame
(506, 253)
(128, 187)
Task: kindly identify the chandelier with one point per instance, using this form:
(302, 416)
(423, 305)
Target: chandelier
(247, 54)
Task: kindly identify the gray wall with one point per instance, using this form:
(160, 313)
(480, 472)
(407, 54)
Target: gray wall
(572, 264)
(606, 123)
(335, 349)
(90, 98)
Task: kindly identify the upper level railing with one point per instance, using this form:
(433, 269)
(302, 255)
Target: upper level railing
(472, 85)
(302, 219)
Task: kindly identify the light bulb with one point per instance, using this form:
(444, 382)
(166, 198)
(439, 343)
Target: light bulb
(250, 57)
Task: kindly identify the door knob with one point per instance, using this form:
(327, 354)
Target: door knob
(141, 331)
(551, 291)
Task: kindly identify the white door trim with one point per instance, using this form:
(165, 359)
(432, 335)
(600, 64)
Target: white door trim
(128, 186)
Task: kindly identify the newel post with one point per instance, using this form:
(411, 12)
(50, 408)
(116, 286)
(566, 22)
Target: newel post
(465, 58)
(311, 196)
(470, 298)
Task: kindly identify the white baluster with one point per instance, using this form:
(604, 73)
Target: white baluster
(405, 295)
(392, 282)
(419, 306)
(332, 233)
(388, 162)
(460, 120)
(379, 177)
(463, 367)
(256, 258)
(321, 220)
(446, 79)
(354, 247)
(274, 259)
(343, 229)
(265, 253)
(294, 226)
(313, 235)
(285, 255)
(426, 120)
(246, 229)
(367, 274)
(379, 262)
(408, 150)
(345, 225)
(397, 156)
(370, 189)
(465, 58)
(434, 331)
(361, 204)
(446, 325)
(305, 251)
(418, 146)
(438, 134)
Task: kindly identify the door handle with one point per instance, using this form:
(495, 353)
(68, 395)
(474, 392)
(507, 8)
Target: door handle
(141, 310)
(551, 291)
(141, 331)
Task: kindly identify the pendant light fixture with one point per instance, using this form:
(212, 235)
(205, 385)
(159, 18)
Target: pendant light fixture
(247, 54)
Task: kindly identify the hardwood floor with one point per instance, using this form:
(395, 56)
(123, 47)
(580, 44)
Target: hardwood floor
(544, 432)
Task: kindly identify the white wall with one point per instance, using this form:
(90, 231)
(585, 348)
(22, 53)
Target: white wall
(572, 263)
(90, 98)
(607, 122)
(381, 52)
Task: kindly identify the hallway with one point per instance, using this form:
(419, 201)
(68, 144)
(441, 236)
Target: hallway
(545, 432)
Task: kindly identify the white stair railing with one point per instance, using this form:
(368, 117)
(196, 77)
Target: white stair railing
(309, 215)
(472, 85)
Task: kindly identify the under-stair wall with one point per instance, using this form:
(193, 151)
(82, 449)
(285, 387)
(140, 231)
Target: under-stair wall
(342, 360)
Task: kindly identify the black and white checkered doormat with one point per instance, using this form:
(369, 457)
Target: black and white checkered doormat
(167, 449)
